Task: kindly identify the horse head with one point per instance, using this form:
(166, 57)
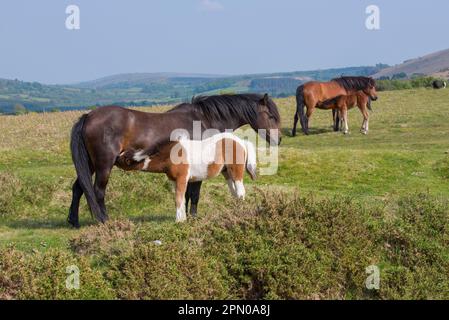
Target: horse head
(370, 89)
(269, 120)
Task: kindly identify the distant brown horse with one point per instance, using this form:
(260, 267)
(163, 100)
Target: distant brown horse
(340, 106)
(313, 93)
(100, 136)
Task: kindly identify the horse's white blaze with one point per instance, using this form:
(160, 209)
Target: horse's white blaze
(240, 189)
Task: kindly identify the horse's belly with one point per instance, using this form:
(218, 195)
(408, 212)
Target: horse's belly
(198, 172)
(325, 107)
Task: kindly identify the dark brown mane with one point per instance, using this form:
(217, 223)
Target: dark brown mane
(229, 107)
(355, 83)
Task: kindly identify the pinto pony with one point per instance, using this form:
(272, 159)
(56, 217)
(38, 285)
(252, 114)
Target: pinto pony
(340, 106)
(187, 161)
(311, 94)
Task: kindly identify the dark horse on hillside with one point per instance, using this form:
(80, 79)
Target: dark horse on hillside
(99, 137)
(312, 94)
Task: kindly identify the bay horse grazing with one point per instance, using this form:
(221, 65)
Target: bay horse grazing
(186, 161)
(99, 137)
(313, 93)
(340, 106)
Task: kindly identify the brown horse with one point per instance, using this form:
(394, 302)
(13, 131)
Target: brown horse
(313, 93)
(340, 106)
(100, 136)
(188, 160)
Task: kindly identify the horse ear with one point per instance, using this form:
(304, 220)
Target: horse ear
(266, 99)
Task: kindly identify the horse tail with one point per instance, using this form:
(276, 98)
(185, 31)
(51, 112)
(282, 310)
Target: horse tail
(300, 104)
(81, 161)
(368, 104)
(251, 160)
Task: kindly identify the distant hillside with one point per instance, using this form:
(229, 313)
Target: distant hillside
(140, 78)
(134, 89)
(436, 64)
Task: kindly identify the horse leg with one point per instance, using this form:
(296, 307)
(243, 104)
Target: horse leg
(310, 104)
(365, 123)
(345, 119)
(77, 193)
(236, 173)
(341, 120)
(231, 184)
(181, 187)
(336, 120)
(295, 123)
(363, 128)
(188, 194)
(307, 118)
(193, 194)
(102, 175)
(300, 104)
(364, 111)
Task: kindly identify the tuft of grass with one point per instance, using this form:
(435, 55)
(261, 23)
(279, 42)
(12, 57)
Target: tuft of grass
(278, 246)
(111, 238)
(43, 276)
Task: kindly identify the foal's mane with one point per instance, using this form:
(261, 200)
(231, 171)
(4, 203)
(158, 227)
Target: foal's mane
(229, 107)
(355, 83)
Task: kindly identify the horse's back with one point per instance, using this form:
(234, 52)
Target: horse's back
(208, 157)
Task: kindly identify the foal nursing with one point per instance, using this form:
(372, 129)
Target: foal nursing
(186, 161)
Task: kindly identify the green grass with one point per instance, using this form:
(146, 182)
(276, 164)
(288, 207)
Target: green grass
(337, 204)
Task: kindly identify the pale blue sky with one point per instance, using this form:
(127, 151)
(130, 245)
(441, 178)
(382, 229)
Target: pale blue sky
(210, 36)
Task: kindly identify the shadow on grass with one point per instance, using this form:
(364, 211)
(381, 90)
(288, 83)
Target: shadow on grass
(312, 131)
(158, 217)
(61, 223)
(39, 223)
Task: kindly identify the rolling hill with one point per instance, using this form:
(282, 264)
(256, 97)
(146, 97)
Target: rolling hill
(133, 89)
(139, 78)
(435, 64)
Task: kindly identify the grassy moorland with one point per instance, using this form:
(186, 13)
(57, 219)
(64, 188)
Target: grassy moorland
(337, 205)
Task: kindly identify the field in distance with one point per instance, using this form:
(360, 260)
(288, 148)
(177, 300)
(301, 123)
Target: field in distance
(337, 205)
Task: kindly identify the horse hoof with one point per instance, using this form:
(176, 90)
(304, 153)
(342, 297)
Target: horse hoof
(193, 210)
(74, 224)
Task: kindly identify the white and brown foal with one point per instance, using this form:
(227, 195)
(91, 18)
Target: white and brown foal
(186, 161)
